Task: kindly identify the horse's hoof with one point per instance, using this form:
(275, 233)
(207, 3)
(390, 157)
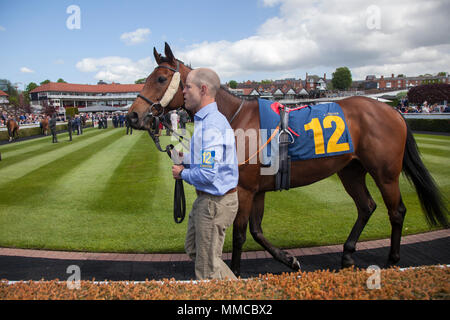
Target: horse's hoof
(295, 264)
(347, 262)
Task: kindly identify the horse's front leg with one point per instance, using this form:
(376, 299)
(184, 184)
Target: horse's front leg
(256, 231)
(240, 228)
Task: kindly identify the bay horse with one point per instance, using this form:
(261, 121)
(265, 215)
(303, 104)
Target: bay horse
(383, 147)
(13, 129)
(44, 126)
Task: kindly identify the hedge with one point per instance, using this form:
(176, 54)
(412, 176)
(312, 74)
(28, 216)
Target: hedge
(36, 131)
(432, 125)
(28, 132)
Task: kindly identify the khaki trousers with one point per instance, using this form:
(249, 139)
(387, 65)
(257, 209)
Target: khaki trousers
(208, 220)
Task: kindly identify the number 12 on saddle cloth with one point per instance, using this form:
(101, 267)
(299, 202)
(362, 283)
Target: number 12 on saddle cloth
(318, 131)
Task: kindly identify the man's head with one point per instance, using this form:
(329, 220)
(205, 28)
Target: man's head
(201, 88)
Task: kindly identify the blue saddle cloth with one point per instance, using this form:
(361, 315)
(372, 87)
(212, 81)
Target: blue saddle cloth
(317, 131)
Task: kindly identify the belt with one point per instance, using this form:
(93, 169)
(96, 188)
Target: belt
(199, 192)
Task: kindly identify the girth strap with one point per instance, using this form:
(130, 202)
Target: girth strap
(285, 138)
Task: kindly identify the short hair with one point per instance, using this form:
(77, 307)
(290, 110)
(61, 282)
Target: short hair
(207, 77)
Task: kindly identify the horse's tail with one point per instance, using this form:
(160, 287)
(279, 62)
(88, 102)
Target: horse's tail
(430, 197)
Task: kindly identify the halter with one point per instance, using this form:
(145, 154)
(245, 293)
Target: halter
(179, 201)
(170, 91)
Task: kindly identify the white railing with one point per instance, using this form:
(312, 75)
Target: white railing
(61, 96)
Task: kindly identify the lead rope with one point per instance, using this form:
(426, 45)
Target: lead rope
(179, 198)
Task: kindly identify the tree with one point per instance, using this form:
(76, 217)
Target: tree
(60, 80)
(47, 109)
(30, 87)
(140, 81)
(45, 82)
(342, 78)
(432, 93)
(232, 84)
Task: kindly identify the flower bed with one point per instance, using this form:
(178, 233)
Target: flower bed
(419, 283)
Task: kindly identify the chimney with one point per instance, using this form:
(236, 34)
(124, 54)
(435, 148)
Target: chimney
(324, 76)
(392, 75)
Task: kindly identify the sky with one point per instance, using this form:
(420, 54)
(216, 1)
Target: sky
(85, 41)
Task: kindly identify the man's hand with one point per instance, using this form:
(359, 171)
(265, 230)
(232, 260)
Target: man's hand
(177, 157)
(176, 171)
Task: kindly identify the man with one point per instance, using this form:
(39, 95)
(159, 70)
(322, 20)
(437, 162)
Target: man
(211, 167)
(76, 124)
(114, 120)
(174, 120)
(129, 127)
(184, 117)
(52, 124)
(69, 127)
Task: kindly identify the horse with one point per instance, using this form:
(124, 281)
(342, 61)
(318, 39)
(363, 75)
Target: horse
(13, 129)
(44, 126)
(384, 147)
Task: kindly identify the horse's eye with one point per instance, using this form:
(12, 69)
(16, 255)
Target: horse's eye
(162, 79)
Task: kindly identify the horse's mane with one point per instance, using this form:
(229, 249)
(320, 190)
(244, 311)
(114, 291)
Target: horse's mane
(225, 88)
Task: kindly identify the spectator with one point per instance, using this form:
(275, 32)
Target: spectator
(425, 108)
(52, 124)
(174, 120)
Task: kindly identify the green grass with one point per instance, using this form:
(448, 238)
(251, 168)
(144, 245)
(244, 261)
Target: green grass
(109, 192)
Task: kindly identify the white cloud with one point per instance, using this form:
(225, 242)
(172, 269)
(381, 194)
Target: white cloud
(135, 37)
(26, 70)
(397, 37)
(117, 69)
(270, 3)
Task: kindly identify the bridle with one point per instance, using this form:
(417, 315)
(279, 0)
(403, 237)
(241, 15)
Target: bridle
(179, 201)
(169, 94)
(179, 208)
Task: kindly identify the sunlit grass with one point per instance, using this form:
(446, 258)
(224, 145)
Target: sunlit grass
(112, 192)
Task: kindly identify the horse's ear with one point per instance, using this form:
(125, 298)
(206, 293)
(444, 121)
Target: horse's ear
(168, 52)
(157, 56)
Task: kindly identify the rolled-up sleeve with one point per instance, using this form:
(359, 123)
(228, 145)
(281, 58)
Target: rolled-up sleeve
(209, 155)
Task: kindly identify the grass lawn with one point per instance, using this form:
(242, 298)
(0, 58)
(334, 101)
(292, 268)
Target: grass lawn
(111, 192)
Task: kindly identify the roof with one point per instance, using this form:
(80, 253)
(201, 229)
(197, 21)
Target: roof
(3, 93)
(95, 88)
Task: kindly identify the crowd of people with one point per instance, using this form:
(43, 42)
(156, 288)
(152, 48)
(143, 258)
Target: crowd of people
(404, 107)
(172, 121)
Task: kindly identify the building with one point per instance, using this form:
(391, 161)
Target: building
(3, 98)
(283, 90)
(63, 95)
(397, 83)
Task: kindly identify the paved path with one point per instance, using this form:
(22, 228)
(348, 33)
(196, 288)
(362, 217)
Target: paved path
(429, 248)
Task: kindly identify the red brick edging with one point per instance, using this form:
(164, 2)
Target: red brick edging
(166, 257)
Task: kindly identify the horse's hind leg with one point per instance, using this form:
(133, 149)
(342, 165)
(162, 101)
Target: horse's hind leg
(353, 177)
(240, 228)
(257, 233)
(396, 209)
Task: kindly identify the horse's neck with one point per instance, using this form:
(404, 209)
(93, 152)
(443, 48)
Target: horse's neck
(227, 103)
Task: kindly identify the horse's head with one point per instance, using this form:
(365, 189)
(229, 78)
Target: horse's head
(162, 92)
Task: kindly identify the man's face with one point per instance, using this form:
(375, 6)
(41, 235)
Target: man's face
(192, 94)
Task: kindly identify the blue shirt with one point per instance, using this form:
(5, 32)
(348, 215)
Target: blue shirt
(211, 166)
